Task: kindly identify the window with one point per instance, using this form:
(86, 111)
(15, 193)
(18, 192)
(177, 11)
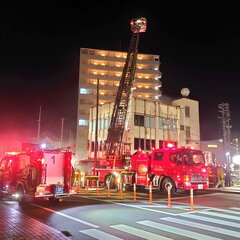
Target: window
(158, 156)
(187, 158)
(150, 144)
(84, 91)
(83, 122)
(188, 132)
(187, 111)
(181, 127)
(138, 120)
(176, 158)
(161, 144)
(161, 122)
(174, 127)
(138, 143)
(149, 122)
(167, 123)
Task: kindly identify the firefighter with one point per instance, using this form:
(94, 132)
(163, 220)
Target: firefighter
(220, 176)
(212, 175)
(228, 180)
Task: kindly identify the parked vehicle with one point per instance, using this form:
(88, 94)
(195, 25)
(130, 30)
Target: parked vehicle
(36, 173)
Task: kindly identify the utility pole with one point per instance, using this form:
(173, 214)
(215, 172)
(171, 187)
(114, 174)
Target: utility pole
(62, 123)
(96, 130)
(39, 124)
(226, 129)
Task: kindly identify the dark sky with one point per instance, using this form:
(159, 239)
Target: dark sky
(198, 43)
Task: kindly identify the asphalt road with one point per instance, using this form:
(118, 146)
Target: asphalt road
(88, 216)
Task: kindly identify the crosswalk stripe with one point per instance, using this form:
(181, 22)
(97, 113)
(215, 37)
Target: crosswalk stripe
(227, 211)
(222, 215)
(235, 208)
(203, 226)
(100, 235)
(139, 233)
(212, 220)
(177, 231)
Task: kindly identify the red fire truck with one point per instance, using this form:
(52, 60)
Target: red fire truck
(36, 174)
(177, 168)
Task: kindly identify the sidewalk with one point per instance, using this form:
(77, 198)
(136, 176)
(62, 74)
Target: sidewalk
(233, 189)
(16, 226)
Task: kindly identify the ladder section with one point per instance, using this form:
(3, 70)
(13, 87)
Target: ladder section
(118, 119)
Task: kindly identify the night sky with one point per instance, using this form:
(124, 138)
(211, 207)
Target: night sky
(198, 43)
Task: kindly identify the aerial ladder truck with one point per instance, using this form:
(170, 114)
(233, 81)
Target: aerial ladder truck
(117, 152)
(171, 167)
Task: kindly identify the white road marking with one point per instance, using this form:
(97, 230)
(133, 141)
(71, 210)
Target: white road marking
(203, 226)
(231, 211)
(213, 220)
(222, 215)
(176, 230)
(66, 216)
(139, 233)
(100, 235)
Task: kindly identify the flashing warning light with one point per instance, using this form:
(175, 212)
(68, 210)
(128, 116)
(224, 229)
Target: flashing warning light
(43, 145)
(186, 178)
(12, 153)
(138, 25)
(170, 145)
(204, 170)
(142, 169)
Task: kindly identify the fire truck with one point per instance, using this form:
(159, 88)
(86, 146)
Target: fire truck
(169, 167)
(177, 168)
(36, 173)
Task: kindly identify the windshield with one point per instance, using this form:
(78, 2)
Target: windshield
(5, 163)
(193, 158)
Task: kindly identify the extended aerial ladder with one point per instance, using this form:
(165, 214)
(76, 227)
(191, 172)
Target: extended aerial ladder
(115, 148)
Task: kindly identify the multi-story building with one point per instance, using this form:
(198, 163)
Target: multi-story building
(151, 124)
(106, 66)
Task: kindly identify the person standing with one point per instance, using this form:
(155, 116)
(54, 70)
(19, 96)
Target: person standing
(228, 177)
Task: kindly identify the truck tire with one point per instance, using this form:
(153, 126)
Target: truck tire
(111, 180)
(21, 194)
(168, 182)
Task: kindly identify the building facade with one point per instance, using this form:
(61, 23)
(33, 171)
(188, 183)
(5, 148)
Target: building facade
(107, 66)
(150, 124)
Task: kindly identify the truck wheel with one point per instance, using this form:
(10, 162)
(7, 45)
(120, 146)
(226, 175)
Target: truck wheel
(168, 182)
(21, 195)
(111, 180)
